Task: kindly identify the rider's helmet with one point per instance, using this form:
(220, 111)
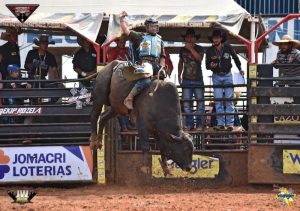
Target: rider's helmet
(151, 25)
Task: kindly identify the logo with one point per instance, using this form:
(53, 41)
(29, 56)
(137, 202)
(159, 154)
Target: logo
(22, 11)
(285, 196)
(4, 159)
(22, 196)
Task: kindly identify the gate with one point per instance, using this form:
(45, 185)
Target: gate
(274, 122)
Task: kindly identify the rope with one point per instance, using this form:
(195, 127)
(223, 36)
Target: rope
(158, 82)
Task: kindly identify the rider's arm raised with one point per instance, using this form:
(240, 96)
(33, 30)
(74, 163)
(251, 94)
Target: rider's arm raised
(124, 24)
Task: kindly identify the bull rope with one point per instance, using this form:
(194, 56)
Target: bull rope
(158, 82)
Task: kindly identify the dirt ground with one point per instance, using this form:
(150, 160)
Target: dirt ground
(99, 197)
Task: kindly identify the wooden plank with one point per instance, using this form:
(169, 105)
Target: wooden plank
(275, 109)
(275, 92)
(265, 165)
(67, 128)
(233, 170)
(271, 128)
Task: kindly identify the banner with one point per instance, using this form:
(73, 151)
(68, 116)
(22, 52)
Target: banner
(291, 161)
(48, 163)
(202, 167)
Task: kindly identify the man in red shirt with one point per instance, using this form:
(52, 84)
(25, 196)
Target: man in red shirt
(120, 52)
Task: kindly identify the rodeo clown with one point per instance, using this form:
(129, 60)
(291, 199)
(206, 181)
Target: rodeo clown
(147, 51)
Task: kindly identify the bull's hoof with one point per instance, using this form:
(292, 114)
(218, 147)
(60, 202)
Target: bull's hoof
(99, 145)
(167, 172)
(145, 169)
(92, 145)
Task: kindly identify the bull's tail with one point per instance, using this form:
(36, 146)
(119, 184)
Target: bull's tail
(158, 81)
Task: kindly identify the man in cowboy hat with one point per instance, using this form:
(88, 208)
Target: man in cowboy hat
(218, 60)
(190, 74)
(288, 52)
(9, 52)
(39, 62)
(85, 61)
(147, 50)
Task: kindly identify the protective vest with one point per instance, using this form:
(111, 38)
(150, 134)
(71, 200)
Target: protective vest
(150, 46)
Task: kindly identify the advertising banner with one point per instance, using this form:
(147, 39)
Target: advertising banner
(202, 167)
(291, 161)
(45, 163)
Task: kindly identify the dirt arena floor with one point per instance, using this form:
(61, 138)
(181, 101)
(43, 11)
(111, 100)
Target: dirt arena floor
(98, 197)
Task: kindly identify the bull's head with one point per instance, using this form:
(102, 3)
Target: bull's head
(180, 150)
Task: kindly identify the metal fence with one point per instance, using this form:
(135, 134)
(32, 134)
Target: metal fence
(43, 116)
(270, 7)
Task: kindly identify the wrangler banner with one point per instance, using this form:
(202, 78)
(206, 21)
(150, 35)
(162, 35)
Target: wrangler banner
(202, 167)
(291, 161)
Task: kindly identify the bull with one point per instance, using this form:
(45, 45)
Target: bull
(157, 114)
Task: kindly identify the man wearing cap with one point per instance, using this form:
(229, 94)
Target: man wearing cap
(147, 50)
(218, 60)
(14, 73)
(288, 52)
(39, 62)
(190, 74)
(9, 52)
(120, 52)
(85, 60)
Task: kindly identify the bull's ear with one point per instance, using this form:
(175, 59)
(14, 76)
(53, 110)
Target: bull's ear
(174, 138)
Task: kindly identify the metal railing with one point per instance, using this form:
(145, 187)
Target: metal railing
(43, 116)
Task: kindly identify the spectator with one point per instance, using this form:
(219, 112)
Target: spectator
(218, 60)
(288, 52)
(147, 49)
(13, 71)
(168, 62)
(120, 52)
(189, 67)
(85, 61)
(237, 120)
(9, 52)
(39, 62)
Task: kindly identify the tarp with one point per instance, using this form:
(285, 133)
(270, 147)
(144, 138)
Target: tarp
(201, 14)
(87, 24)
(231, 22)
(133, 7)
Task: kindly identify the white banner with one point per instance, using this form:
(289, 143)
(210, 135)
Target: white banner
(48, 163)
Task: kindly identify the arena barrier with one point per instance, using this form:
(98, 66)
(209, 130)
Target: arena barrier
(274, 122)
(44, 137)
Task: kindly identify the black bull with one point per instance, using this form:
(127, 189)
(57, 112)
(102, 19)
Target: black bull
(158, 115)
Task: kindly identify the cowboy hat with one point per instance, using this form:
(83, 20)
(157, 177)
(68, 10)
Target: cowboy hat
(43, 39)
(217, 33)
(191, 31)
(8, 32)
(287, 39)
(81, 39)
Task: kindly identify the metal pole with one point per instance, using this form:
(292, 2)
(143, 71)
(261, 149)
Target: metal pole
(252, 39)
